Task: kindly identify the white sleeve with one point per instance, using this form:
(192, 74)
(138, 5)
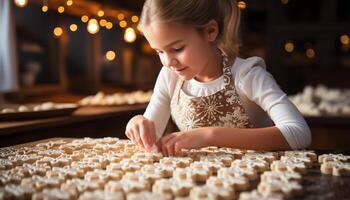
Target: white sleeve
(260, 87)
(158, 109)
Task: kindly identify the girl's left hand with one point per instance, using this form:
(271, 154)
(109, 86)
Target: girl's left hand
(194, 139)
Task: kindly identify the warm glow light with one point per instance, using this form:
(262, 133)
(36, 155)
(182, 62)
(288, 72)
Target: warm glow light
(345, 48)
(134, 18)
(58, 31)
(93, 26)
(120, 16)
(139, 28)
(100, 13)
(284, 2)
(110, 55)
(310, 53)
(109, 25)
(242, 5)
(21, 3)
(69, 2)
(123, 24)
(289, 47)
(146, 48)
(44, 8)
(84, 18)
(129, 35)
(103, 22)
(73, 27)
(344, 39)
(60, 9)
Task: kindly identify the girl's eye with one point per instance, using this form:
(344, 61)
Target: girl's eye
(178, 49)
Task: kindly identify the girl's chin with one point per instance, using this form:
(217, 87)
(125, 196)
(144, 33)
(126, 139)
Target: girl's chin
(185, 78)
(185, 74)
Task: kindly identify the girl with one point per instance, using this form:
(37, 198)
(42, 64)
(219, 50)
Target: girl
(214, 97)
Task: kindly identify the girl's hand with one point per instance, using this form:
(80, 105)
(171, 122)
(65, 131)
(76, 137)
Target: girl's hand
(173, 143)
(141, 131)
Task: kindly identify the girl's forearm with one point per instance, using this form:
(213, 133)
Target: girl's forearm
(269, 138)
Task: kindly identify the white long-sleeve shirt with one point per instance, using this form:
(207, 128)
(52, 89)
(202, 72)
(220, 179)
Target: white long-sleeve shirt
(265, 103)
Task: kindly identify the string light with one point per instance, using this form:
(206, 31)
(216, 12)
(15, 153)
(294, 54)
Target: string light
(58, 31)
(93, 26)
(310, 53)
(21, 3)
(129, 35)
(69, 2)
(44, 8)
(110, 55)
(242, 5)
(109, 25)
(60, 9)
(138, 27)
(73, 27)
(123, 24)
(289, 46)
(103, 22)
(135, 19)
(100, 13)
(120, 16)
(344, 39)
(84, 18)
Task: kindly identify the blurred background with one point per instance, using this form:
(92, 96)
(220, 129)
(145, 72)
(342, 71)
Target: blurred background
(64, 50)
(83, 46)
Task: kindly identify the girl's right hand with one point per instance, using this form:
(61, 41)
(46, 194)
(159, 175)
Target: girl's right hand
(141, 131)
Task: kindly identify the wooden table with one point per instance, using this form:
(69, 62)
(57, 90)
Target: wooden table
(327, 132)
(330, 132)
(84, 122)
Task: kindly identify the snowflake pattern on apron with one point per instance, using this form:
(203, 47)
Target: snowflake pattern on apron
(223, 108)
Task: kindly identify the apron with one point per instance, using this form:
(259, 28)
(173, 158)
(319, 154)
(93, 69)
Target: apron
(223, 108)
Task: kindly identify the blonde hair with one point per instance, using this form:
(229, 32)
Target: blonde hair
(198, 13)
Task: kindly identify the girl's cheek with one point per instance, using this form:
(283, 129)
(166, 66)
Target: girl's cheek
(161, 60)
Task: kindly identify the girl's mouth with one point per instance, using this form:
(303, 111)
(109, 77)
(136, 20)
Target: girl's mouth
(181, 69)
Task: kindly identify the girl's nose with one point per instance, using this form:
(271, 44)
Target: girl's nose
(170, 61)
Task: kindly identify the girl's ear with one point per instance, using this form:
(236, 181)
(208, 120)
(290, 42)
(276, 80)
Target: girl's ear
(211, 30)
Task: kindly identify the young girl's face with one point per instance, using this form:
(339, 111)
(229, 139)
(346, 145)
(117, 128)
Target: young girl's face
(184, 50)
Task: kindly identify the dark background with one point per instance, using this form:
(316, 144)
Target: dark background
(266, 27)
